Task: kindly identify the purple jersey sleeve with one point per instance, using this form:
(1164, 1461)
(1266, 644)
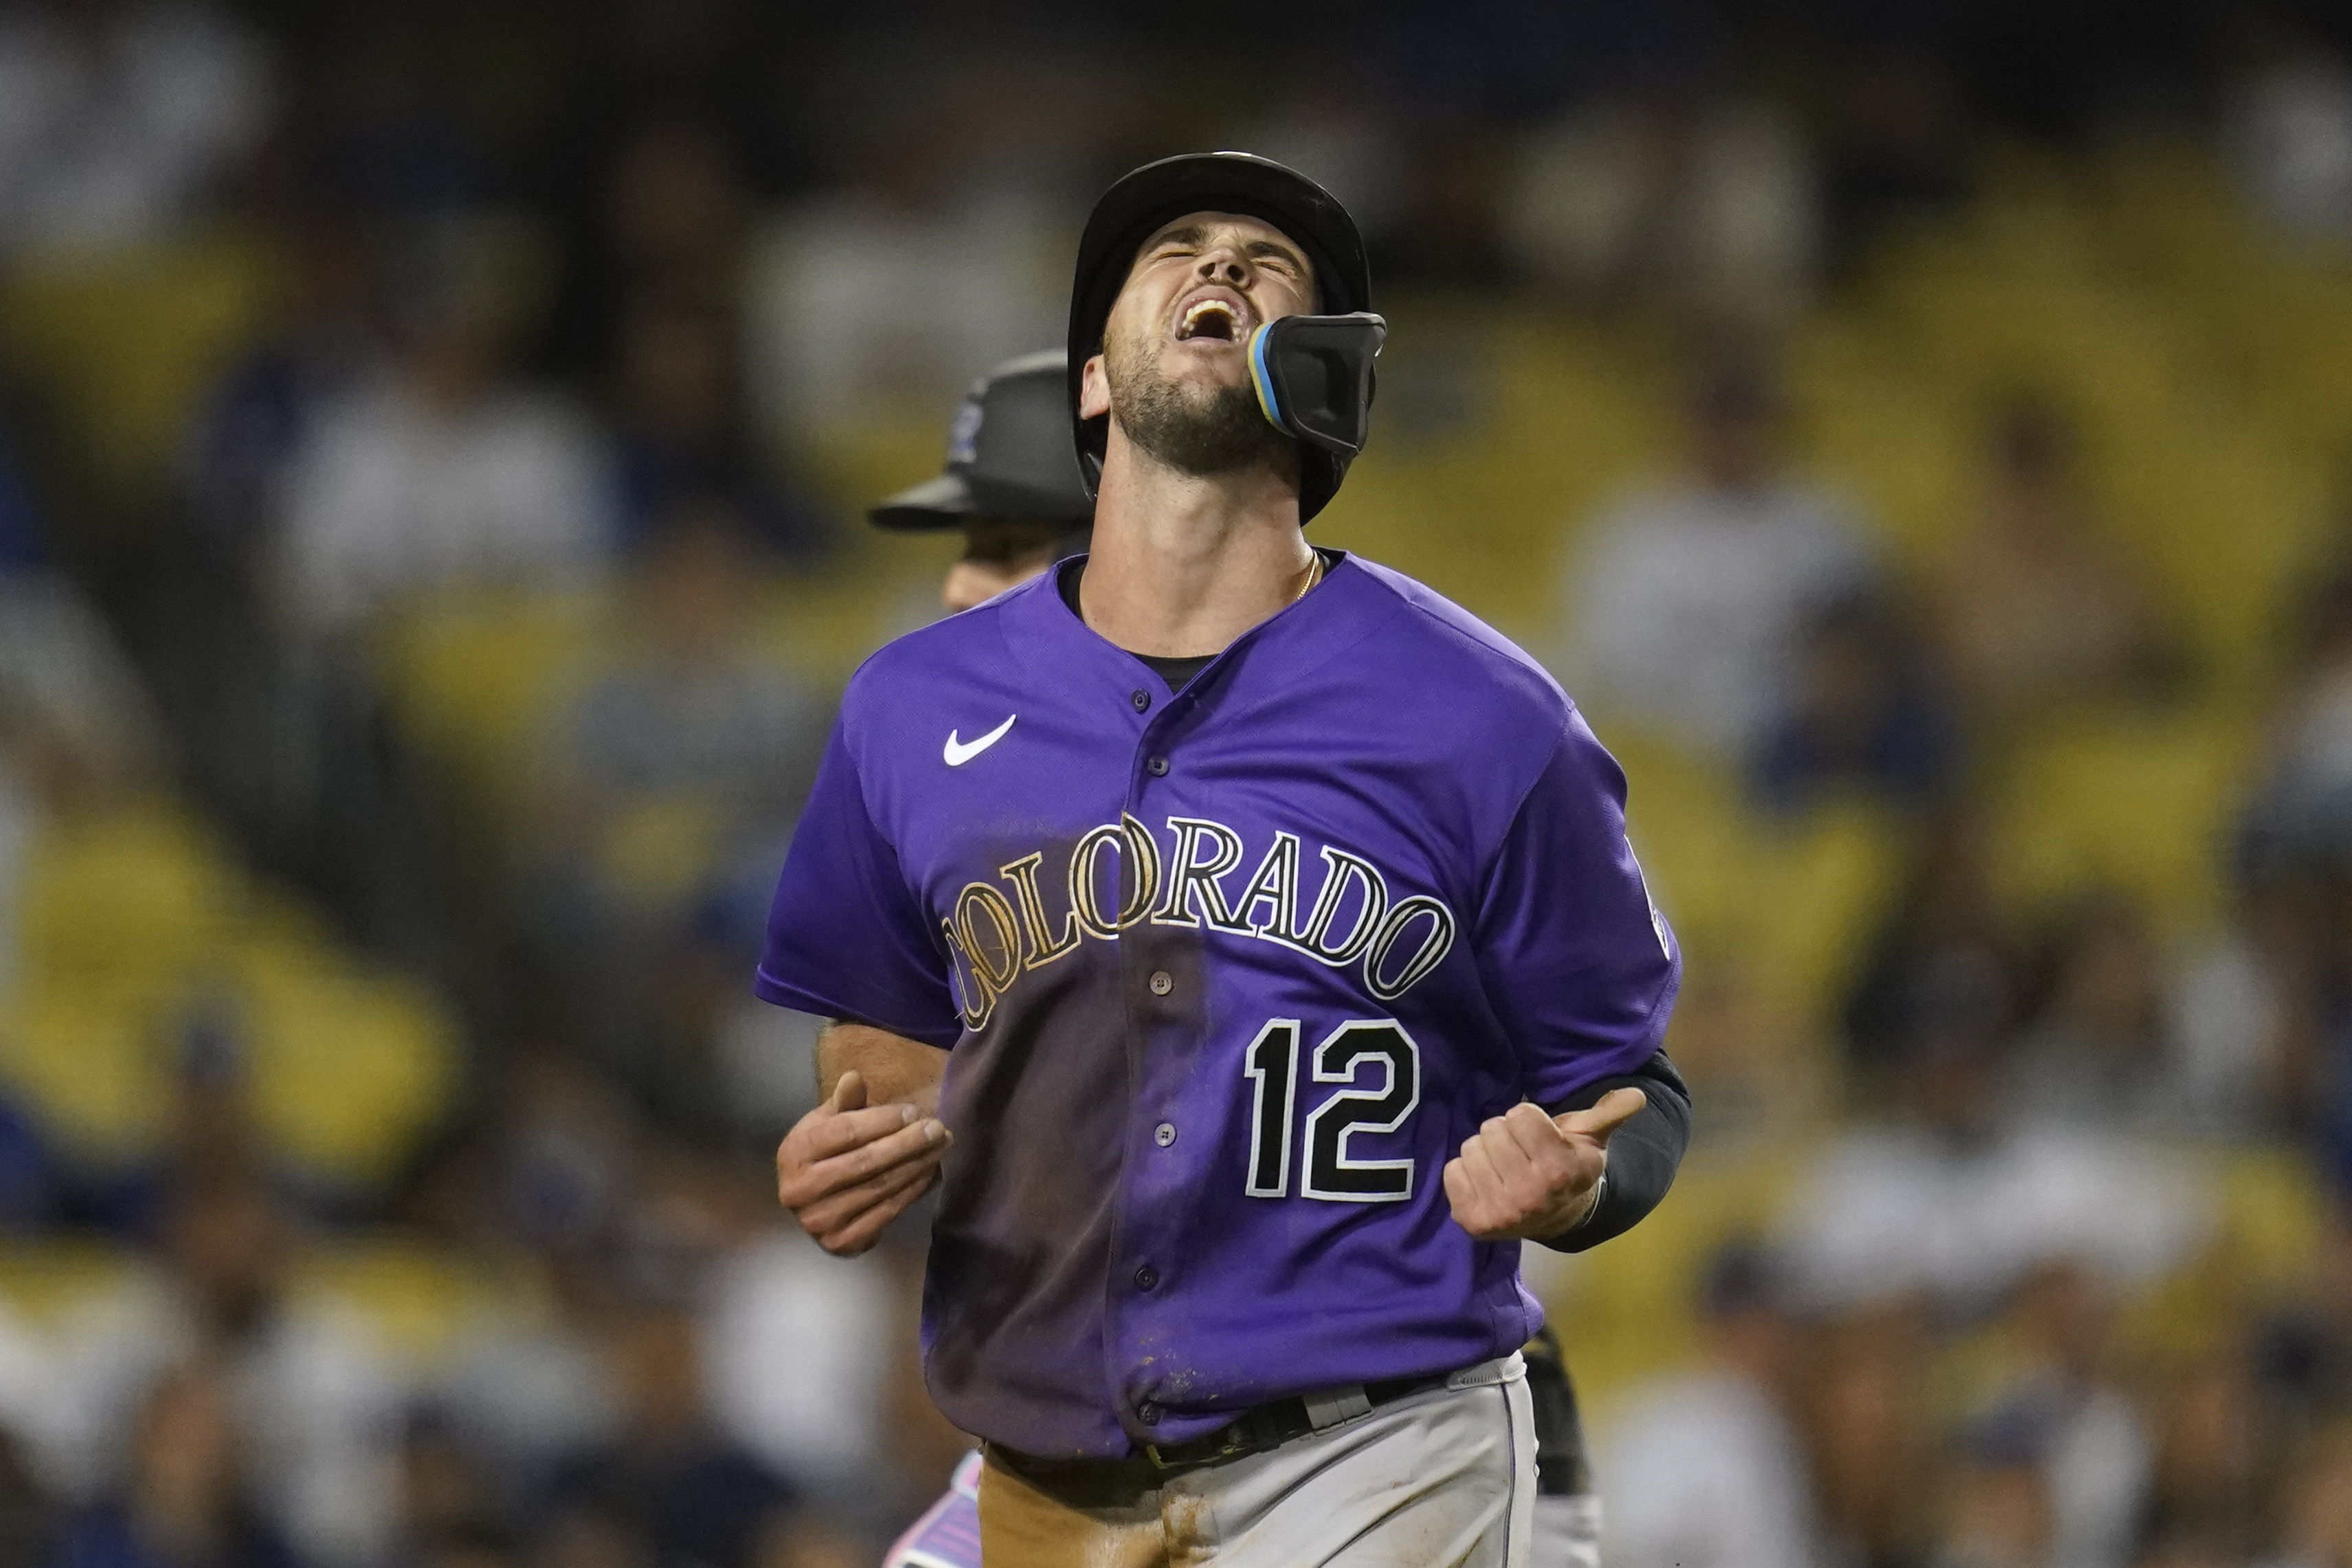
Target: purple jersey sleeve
(847, 938)
(1577, 962)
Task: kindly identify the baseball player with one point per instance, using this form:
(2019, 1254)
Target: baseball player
(1249, 938)
(1011, 483)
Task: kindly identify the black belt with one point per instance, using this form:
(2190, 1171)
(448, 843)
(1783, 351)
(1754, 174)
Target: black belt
(1116, 1483)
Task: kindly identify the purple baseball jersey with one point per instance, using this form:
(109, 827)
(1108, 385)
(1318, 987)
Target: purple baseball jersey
(1227, 977)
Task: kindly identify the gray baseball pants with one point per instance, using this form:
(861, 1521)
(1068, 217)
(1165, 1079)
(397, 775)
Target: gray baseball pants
(1444, 1478)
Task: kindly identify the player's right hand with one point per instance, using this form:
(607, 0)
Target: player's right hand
(846, 1170)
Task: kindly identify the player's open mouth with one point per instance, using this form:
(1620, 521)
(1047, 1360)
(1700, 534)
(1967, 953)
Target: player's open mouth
(1214, 318)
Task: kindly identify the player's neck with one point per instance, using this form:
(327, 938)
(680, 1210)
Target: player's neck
(1182, 564)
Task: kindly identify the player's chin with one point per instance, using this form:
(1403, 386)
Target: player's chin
(1204, 362)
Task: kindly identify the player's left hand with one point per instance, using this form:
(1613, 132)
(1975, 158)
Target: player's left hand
(1527, 1175)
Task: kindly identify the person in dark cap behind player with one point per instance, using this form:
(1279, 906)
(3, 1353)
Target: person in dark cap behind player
(1012, 482)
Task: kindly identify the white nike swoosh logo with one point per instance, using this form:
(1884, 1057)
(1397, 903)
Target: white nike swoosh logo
(957, 752)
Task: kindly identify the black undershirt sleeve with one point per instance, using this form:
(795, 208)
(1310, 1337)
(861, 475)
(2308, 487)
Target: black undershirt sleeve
(1643, 1154)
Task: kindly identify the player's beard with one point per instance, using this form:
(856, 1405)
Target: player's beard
(1221, 430)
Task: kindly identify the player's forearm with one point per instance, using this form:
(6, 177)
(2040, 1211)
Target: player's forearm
(894, 1068)
(1644, 1154)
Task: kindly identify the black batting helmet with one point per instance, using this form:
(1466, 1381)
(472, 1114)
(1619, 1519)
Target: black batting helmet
(1008, 456)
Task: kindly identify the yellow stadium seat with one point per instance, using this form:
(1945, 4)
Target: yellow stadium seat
(52, 1283)
(474, 676)
(128, 341)
(345, 1068)
(2272, 1229)
(419, 1300)
(1626, 1311)
(2130, 801)
(124, 901)
(93, 1069)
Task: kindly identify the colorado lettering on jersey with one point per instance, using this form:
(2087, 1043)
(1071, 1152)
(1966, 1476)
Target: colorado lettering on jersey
(1117, 876)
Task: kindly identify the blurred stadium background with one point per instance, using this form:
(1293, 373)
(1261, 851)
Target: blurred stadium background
(432, 439)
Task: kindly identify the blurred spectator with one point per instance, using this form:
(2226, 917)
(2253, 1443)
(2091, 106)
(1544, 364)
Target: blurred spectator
(2317, 1510)
(2218, 1458)
(539, 1192)
(186, 1503)
(1867, 719)
(2294, 861)
(2000, 1513)
(2302, 1362)
(807, 1539)
(314, 1399)
(118, 118)
(1706, 1470)
(2299, 825)
(1948, 1195)
(1896, 144)
(2078, 1429)
(21, 547)
(799, 1347)
(263, 412)
(2229, 1018)
(374, 124)
(66, 684)
(913, 278)
(1674, 197)
(667, 218)
(668, 1482)
(2038, 610)
(448, 1501)
(1758, 1077)
(1942, 954)
(67, 688)
(1865, 1419)
(446, 471)
(2098, 1050)
(689, 758)
(2291, 124)
(29, 1522)
(682, 434)
(1686, 603)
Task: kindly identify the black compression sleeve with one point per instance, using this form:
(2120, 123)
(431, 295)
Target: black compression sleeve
(1643, 1154)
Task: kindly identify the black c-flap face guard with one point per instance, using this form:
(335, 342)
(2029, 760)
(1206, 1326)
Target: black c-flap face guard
(1314, 377)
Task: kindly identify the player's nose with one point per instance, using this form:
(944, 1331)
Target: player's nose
(1223, 264)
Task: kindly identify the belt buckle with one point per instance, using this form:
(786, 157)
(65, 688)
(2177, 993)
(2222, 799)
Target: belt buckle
(1231, 1441)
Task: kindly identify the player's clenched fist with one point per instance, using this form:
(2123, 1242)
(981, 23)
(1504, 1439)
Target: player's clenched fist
(1527, 1175)
(848, 1169)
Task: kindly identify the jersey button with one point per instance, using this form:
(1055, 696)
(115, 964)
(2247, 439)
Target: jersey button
(1141, 700)
(1148, 1413)
(1164, 1134)
(1162, 982)
(1156, 767)
(1146, 1278)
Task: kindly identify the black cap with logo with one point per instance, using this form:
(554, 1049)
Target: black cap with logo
(1009, 455)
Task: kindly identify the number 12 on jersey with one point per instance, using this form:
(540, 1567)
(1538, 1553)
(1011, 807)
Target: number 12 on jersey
(1373, 1048)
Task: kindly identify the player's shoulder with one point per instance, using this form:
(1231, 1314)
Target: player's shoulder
(1462, 654)
(967, 645)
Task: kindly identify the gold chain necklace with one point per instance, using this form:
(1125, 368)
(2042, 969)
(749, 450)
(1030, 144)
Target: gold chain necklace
(1314, 576)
